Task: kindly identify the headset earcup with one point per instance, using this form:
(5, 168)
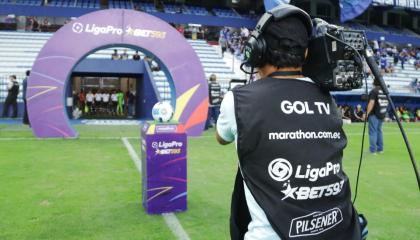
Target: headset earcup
(262, 49)
(249, 51)
(254, 51)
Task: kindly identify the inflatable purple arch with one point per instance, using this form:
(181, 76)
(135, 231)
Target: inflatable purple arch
(70, 44)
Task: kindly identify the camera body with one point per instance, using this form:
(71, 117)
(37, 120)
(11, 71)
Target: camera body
(331, 64)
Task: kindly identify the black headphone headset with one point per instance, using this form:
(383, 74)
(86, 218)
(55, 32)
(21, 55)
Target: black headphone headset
(256, 47)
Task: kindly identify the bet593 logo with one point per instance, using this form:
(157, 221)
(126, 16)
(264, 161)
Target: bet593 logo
(281, 170)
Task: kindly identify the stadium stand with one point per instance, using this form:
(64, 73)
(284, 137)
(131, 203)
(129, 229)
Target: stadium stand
(22, 2)
(61, 3)
(230, 13)
(19, 50)
(87, 3)
(378, 29)
(75, 3)
(172, 8)
(120, 4)
(194, 10)
(145, 6)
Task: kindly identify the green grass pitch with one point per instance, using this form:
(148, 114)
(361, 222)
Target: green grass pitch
(90, 188)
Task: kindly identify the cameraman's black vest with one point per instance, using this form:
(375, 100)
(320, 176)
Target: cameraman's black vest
(381, 103)
(214, 93)
(290, 147)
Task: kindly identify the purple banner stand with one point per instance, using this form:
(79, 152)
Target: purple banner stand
(164, 164)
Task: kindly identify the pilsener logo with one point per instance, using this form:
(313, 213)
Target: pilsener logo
(315, 223)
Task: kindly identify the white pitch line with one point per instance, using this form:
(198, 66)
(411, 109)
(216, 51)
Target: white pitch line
(132, 153)
(170, 218)
(176, 227)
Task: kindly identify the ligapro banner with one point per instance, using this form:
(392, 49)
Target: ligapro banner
(100, 29)
(94, 29)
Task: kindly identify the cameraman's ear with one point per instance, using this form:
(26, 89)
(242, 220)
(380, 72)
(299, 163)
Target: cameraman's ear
(306, 53)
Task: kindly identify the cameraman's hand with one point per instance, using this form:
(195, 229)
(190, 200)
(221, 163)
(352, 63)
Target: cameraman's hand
(220, 139)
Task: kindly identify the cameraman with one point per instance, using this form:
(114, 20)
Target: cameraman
(289, 139)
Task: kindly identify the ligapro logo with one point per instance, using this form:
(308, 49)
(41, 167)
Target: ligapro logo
(77, 27)
(280, 169)
(96, 30)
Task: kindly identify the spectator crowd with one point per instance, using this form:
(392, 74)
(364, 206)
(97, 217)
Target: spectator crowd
(403, 56)
(233, 40)
(351, 114)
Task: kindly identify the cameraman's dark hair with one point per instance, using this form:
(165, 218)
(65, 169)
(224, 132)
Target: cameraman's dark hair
(287, 40)
(28, 73)
(285, 54)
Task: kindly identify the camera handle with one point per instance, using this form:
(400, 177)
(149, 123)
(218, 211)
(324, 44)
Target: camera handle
(368, 54)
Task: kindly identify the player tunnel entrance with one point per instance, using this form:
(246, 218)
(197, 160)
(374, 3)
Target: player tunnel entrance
(117, 82)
